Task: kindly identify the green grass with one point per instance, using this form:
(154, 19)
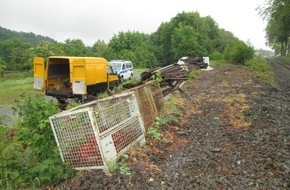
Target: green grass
(139, 70)
(262, 69)
(260, 66)
(214, 63)
(284, 58)
(13, 86)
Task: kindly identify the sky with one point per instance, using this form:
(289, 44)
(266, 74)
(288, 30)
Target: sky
(93, 20)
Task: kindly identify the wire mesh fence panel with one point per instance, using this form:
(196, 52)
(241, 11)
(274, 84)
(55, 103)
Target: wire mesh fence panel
(157, 94)
(108, 118)
(104, 103)
(128, 133)
(91, 135)
(75, 136)
(146, 104)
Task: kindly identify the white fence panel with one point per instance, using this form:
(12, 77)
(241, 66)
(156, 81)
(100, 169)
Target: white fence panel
(91, 135)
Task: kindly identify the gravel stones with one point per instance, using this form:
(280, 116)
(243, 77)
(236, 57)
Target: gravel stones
(234, 133)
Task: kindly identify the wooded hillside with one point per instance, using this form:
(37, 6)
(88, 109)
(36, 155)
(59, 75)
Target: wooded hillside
(186, 34)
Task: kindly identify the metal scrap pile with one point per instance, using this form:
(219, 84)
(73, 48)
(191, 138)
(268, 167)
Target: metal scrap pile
(173, 76)
(194, 62)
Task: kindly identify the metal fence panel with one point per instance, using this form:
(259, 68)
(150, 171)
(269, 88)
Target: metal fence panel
(150, 101)
(76, 139)
(157, 94)
(91, 135)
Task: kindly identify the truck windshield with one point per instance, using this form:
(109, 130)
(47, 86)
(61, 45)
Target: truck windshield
(116, 66)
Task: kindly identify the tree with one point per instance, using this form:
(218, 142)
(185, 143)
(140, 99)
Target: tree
(2, 67)
(74, 47)
(133, 46)
(187, 34)
(9, 50)
(184, 42)
(212, 35)
(277, 13)
(21, 59)
(162, 41)
(239, 52)
(45, 49)
(100, 48)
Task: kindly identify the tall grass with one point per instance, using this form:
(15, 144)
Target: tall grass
(260, 66)
(139, 70)
(262, 69)
(284, 58)
(12, 86)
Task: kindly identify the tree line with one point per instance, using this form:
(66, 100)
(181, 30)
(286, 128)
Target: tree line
(277, 15)
(186, 34)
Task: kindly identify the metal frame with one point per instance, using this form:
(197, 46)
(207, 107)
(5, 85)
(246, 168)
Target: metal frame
(92, 135)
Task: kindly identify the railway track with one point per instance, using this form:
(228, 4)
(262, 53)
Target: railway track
(284, 64)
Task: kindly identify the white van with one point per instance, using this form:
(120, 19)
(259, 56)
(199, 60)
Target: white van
(123, 68)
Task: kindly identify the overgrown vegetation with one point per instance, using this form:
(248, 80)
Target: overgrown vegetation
(29, 156)
(262, 69)
(193, 74)
(238, 53)
(170, 107)
(167, 116)
(14, 85)
(121, 166)
(154, 131)
(284, 58)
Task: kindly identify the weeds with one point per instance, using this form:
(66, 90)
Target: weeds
(154, 131)
(102, 95)
(193, 74)
(284, 58)
(121, 166)
(31, 156)
(170, 109)
(157, 76)
(172, 104)
(72, 104)
(112, 166)
(262, 69)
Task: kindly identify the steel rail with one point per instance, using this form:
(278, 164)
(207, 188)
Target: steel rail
(284, 64)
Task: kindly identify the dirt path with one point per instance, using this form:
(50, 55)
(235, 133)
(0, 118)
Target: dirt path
(233, 133)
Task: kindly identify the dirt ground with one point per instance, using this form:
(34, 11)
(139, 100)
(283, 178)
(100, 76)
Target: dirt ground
(233, 132)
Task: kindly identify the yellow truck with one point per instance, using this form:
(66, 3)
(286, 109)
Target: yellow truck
(66, 77)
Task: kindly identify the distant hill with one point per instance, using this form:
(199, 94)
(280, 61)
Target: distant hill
(16, 48)
(264, 53)
(30, 37)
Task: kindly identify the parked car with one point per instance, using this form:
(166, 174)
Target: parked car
(123, 68)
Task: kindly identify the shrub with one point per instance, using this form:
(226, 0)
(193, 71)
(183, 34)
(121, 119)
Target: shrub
(216, 56)
(238, 53)
(32, 158)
